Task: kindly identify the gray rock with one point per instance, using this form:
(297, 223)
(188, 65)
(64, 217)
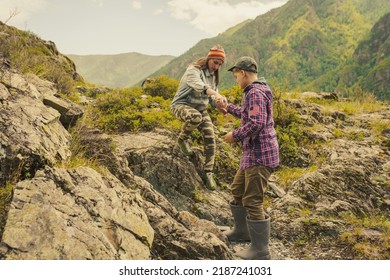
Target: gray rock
(69, 111)
(76, 214)
(155, 157)
(179, 234)
(31, 135)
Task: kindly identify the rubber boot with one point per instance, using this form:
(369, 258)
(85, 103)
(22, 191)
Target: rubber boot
(240, 228)
(210, 182)
(184, 146)
(259, 231)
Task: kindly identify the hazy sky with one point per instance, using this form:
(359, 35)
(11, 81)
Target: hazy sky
(153, 27)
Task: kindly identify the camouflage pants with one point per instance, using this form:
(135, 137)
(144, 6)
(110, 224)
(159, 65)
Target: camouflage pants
(194, 119)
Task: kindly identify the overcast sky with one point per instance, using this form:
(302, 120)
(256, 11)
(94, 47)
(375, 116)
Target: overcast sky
(153, 27)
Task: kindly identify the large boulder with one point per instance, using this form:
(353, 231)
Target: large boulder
(31, 135)
(156, 157)
(75, 214)
(179, 234)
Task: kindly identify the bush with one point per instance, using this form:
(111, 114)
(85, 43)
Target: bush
(162, 86)
(228, 122)
(130, 110)
(288, 124)
(289, 129)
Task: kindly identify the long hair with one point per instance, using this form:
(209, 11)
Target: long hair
(202, 64)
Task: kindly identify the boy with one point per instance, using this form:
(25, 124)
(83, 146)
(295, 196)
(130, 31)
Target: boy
(260, 156)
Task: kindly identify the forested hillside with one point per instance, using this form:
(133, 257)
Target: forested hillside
(370, 65)
(303, 45)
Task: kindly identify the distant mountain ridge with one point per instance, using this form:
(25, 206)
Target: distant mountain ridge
(303, 44)
(119, 70)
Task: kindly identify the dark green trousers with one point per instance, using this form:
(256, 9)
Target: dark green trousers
(248, 190)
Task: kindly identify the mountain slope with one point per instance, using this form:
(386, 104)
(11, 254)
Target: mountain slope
(28, 53)
(370, 64)
(121, 70)
(302, 43)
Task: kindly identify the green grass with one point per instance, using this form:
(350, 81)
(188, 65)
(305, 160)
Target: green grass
(6, 193)
(286, 176)
(338, 133)
(365, 104)
(378, 126)
(374, 246)
(30, 54)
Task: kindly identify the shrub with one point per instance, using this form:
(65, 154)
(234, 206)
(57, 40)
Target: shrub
(227, 122)
(130, 110)
(289, 130)
(379, 126)
(162, 86)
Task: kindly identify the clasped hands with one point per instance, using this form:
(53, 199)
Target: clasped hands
(222, 107)
(222, 103)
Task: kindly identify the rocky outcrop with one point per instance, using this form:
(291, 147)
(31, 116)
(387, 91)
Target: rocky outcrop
(31, 135)
(156, 157)
(79, 213)
(69, 111)
(321, 214)
(179, 234)
(76, 214)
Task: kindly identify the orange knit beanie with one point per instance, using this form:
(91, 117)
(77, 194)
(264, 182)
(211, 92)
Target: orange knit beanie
(217, 52)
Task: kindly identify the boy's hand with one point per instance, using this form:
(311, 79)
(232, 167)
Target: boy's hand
(228, 137)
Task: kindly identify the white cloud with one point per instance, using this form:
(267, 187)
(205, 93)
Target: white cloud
(216, 16)
(137, 5)
(99, 2)
(158, 12)
(23, 10)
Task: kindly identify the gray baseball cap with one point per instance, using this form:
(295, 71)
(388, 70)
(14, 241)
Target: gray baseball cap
(245, 63)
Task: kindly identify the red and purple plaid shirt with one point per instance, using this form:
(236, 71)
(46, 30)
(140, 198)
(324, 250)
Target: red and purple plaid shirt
(256, 132)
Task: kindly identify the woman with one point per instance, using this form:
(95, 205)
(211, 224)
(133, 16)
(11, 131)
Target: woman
(198, 88)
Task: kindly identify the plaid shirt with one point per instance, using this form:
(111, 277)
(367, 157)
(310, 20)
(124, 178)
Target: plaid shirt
(256, 132)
